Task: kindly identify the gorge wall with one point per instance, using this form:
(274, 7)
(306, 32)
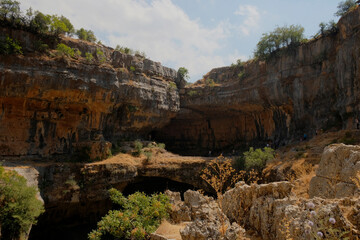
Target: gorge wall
(313, 87)
(52, 105)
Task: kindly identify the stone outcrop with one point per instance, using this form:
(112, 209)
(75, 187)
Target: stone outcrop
(338, 172)
(274, 213)
(315, 86)
(206, 220)
(57, 106)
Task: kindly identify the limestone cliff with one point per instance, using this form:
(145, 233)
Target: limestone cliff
(52, 106)
(315, 86)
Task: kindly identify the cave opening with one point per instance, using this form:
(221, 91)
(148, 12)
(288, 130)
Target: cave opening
(74, 221)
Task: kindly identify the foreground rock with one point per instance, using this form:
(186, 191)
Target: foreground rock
(337, 173)
(274, 213)
(207, 221)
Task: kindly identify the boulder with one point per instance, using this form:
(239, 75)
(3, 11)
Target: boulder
(337, 172)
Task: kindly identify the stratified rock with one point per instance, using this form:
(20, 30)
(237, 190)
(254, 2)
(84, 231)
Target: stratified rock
(315, 86)
(337, 172)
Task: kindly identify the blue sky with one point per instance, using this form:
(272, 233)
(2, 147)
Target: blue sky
(197, 34)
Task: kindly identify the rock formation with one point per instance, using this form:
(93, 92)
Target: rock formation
(56, 106)
(337, 174)
(314, 86)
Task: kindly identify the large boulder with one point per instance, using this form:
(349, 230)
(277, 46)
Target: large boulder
(337, 172)
(206, 220)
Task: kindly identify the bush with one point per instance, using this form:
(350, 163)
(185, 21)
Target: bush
(19, 206)
(161, 145)
(100, 56)
(138, 146)
(281, 37)
(209, 82)
(64, 50)
(132, 68)
(344, 7)
(172, 86)
(9, 46)
(148, 156)
(139, 216)
(89, 57)
(256, 159)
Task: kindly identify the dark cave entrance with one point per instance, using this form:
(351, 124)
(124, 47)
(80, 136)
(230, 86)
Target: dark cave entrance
(74, 221)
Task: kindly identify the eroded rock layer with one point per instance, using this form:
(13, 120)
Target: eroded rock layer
(53, 105)
(314, 86)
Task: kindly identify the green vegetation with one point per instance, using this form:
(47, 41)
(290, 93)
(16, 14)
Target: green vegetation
(327, 28)
(148, 156)
(238, 63)
(86, 35)
(192, 93)
(125, 50)
(256, 159)
(161, 145)
(183, 73)
(64, 50)
(9, 46)
(132, 68)
(100, 56)
(172, 86)
(19, 206)
(137, 217)
(209, 82)
(138, 146)
(89, 57)
(279, 41)
(344, 7)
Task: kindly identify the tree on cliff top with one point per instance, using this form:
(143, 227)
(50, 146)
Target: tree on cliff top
(19, 206)
(183, 73)
(344, 7)
(281, 38)
(9, 9)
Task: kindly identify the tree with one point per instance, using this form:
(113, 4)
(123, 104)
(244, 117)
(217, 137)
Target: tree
(70, 28)
(281, 38)
(344, 7)
(183, 73)
(40, 22)
(9, 9)
(19, 206)
(86, 35)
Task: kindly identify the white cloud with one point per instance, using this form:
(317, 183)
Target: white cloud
(252, 18)
(158, 27)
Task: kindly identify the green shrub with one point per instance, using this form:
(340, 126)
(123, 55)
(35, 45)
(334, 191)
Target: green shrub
(139, 215)
(209, 82)
(172, 86)
(40, 46)
(132, 68)
(64, 50)
(148, 156)
(19, 206)
(100, 56)
(89, 57)
(9, 46)
(138, 146)
(256, 159)
(161, 145)
(77, 53)
(86, 35)
(192, 93)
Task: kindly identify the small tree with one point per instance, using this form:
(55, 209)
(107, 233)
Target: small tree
(64, 50)
(86, 35)
(183, 73)
(344, 7)
(19, 206)
(40, 22)
(139, 215)
(9, 10)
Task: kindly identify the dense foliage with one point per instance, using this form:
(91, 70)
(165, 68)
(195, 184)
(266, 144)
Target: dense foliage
(86, 35)
(256, 159)
(138, 216)
(344, 7)
(19, 206)
(282, 38)
(9, 46)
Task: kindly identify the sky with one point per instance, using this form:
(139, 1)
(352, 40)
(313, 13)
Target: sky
(196, 34)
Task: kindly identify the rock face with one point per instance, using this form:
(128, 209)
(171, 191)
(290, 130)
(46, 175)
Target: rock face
(207, 221)
(337, 173)
(314, 87)
(274, 213)
(54, 106)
